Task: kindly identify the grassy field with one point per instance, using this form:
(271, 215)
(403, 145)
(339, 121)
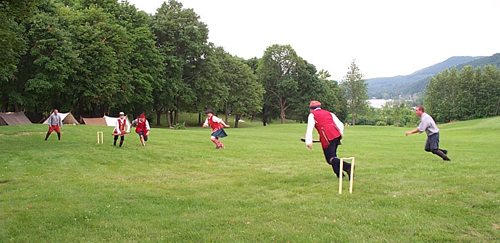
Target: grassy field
(265, 187)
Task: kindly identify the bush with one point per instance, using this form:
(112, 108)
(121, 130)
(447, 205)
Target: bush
(381, 123)
(180, 126)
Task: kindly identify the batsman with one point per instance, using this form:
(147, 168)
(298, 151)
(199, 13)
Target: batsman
(330, 130)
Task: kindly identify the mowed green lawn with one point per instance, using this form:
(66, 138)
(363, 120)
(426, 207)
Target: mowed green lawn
(265, 187)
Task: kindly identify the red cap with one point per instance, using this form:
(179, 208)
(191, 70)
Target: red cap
(315, 103)
(142, 116)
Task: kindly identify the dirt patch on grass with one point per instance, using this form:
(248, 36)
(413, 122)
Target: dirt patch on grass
(4, 182)
(23, 134)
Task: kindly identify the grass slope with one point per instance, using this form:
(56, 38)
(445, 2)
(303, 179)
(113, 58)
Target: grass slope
(265, 187)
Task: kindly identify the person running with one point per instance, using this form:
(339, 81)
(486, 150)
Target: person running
(142, 128)
(121, 123)
(55, 124)
(330, 130)
(217, 125)
(428, 125)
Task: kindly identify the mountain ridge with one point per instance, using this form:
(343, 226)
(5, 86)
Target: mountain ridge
(390, 87)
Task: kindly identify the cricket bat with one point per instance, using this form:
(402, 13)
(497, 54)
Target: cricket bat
(314, 140)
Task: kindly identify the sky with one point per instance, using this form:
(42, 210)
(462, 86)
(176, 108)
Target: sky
(385, 38)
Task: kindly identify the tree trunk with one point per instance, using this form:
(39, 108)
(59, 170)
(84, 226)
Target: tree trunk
(169, 118)
(199, 118)
(176, 117)
(158, 117)
(282, 109)
(236, 120)
(264, 119)
(226, 115)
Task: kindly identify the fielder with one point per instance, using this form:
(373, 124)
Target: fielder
(121, 123)
(330, 130)
(428, 125)
(55, 124)
(217, 125)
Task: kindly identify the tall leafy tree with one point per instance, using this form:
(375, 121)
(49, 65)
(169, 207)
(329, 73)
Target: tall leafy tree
(355, 90)
(52, 57)
(466, 94)
(146, 62)
(13, 45)
(331, 96)
(182, 40)
(278, 72)
(103, 79)
(244, 91)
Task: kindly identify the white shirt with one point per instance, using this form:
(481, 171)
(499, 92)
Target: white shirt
(214, 118)
(311, 123)
(127, 125)
(427, 124)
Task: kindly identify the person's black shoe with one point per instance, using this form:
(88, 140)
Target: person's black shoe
(447, 159)
(349, 172)
(444, 151)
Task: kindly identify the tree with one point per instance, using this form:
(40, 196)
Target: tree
(244, 91)
(13, 45)
(466, 94)
(146, 62)
(278, 73)
(355, 91)
(182, 40)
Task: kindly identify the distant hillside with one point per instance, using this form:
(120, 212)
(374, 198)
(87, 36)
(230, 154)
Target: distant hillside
(393, 86)
(421, 84)
(491, 60)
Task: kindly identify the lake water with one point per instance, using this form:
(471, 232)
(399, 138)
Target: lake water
(377, 103)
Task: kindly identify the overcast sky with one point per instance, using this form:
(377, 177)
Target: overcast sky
(386, 38)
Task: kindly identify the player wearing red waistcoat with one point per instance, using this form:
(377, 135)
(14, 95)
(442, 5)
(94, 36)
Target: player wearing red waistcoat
(119, 130)
(330, 130)
(142, 128)
(217, 126)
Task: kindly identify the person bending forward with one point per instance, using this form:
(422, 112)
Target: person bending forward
(217, 125)
(428, 125)
(330, 130)
(142, 128)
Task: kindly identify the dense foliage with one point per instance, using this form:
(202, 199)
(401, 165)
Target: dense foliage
(463, 95)
(97, 57)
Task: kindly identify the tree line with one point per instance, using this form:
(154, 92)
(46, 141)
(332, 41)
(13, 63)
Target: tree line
(463, 95)
(97, 57)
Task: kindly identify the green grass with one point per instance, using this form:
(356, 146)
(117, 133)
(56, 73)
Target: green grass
(265, 187)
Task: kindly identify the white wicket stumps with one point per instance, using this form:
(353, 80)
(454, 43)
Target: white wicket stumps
(351, 176)
(101, 136)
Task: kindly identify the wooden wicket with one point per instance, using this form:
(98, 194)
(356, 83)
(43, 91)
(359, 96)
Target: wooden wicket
(101, 140)
(351, 176)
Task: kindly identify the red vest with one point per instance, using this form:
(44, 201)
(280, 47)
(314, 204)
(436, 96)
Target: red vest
(325, 126)
(214, 125)
(141, 126)
(121, 124)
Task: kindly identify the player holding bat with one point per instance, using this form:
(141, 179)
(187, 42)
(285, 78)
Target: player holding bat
(330, 130)
(142, 128)
(121, 123)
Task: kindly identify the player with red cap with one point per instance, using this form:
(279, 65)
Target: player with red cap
(142, 128)
(217, 125)
(330, 130)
